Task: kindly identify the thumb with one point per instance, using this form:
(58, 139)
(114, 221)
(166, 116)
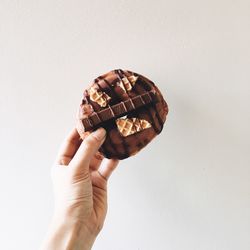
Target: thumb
(88, 149)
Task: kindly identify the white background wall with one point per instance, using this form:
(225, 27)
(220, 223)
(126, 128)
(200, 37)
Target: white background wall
(190, 188)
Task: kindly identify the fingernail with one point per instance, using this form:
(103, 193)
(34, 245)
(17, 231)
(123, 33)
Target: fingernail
(99, 134)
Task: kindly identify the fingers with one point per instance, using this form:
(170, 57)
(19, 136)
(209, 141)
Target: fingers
(88, 149)
(96, 161)
(68, 148)
(107, 167)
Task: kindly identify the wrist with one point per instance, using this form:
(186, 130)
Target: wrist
(67, 233)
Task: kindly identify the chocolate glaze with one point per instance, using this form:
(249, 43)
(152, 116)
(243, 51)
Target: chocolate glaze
(143, 101)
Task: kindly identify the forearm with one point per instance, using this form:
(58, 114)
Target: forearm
(68, 235)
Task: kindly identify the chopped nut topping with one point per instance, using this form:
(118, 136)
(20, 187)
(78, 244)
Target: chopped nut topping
(129, 126)
(99, 97)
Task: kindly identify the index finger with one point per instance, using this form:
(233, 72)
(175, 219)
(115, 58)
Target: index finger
(68, 148)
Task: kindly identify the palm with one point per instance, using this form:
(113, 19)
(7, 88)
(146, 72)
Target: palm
(87, 190)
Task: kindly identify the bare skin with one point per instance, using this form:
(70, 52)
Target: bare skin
(80, 176)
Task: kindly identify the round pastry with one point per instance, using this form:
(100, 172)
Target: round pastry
(129, 106)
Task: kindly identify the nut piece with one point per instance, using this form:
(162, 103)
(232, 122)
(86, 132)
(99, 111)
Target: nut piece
(98, 96)
(127, 82)
(129, 126)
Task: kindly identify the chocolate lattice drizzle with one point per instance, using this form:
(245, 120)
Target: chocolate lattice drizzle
(129, 106)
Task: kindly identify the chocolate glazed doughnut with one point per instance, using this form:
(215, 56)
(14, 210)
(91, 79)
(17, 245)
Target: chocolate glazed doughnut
(129, 106)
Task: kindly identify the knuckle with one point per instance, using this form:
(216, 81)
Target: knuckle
(90, 141)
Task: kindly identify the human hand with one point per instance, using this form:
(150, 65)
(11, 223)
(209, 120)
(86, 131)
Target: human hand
(80, 186)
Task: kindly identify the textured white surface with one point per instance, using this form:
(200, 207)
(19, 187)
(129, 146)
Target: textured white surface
(190, 188)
